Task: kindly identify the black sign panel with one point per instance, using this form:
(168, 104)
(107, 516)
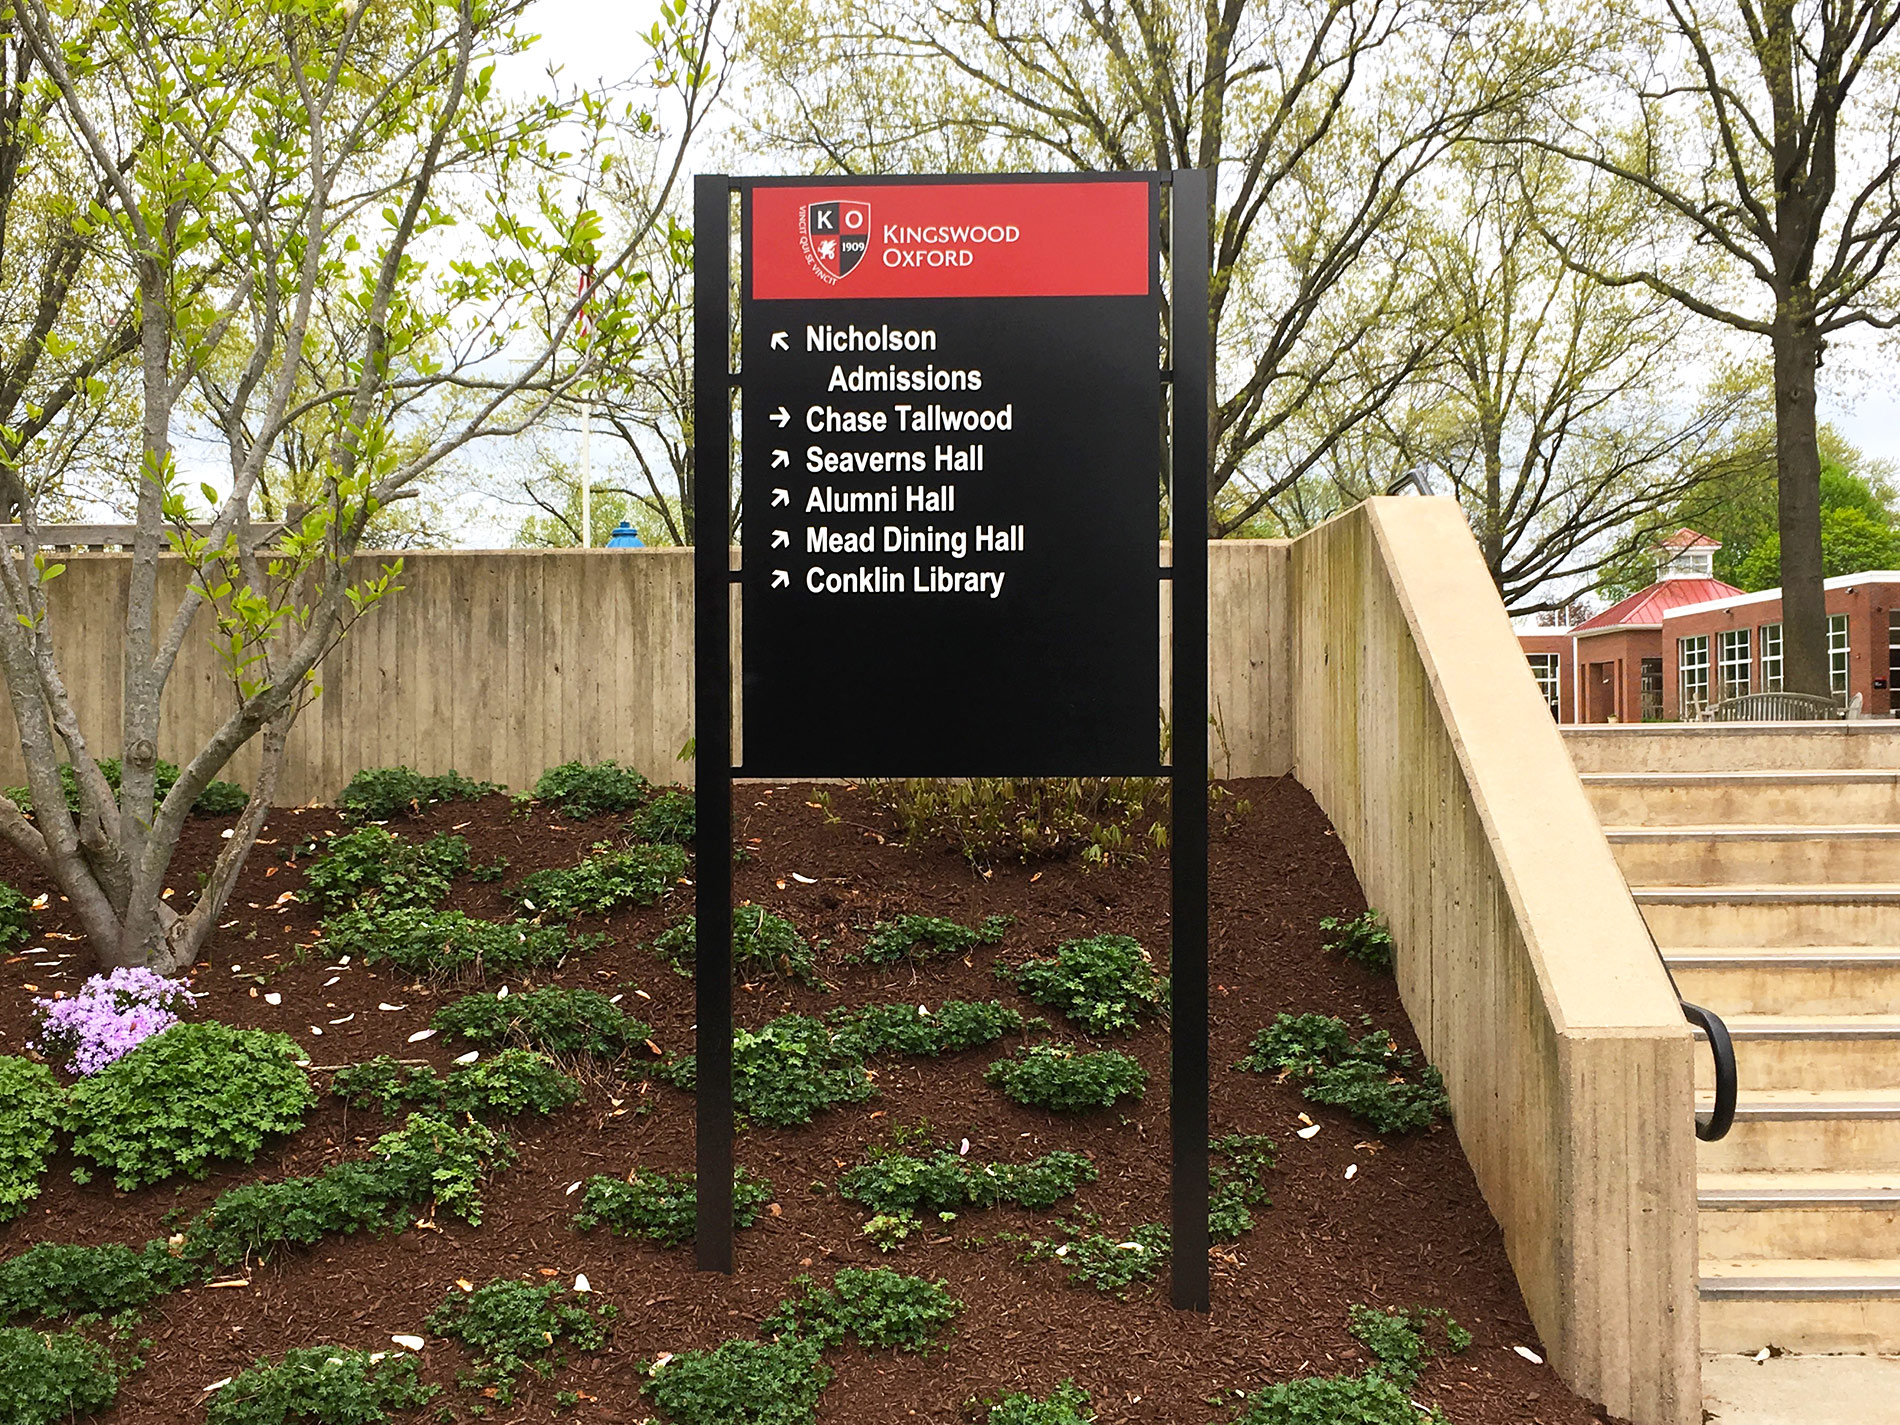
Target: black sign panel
(951, 439)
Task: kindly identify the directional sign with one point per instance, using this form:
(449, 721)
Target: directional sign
(951, 399)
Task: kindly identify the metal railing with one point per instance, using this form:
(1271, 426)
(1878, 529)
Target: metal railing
(1716, 1125)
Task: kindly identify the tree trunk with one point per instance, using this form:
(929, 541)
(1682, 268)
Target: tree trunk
(1798, 481)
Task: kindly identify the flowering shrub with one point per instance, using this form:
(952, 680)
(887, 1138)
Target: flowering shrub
(109, 1017)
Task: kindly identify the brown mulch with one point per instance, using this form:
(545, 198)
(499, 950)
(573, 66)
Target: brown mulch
(1410, 1227)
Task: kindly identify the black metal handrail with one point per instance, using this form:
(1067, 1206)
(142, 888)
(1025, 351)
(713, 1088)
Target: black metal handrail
(1716, 1125)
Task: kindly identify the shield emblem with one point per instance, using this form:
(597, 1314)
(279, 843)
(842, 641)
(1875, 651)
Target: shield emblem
(837, 236)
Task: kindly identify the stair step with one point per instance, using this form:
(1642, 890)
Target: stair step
(1775, 1051)
(1807, 980)
(1736, 746)
(1713, 856)
(1807, 1130)
(1746, 1216)
(1791, 916)
(1787, 798)
(1801, 1304)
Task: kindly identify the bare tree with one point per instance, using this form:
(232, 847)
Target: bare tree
(1762, 132)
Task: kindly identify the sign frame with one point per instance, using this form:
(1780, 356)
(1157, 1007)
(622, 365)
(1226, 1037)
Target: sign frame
(1183, 371)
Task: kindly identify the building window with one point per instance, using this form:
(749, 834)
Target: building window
(1893, 652)
(1692, 666)
(1652, 689)
(1771, 658)
(1544, 668)
(1837, 654)
(1732, 663)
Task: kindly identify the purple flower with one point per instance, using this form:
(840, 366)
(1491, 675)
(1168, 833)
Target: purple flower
(109, 1017)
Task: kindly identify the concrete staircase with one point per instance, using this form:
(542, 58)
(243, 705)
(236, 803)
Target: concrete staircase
(1767, 863)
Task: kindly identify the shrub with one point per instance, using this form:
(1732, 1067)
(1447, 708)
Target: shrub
(663, 1207)
(55, 1279)
(761, 942)
(786, 1071)
(1111, 1264)
(757, 1382)
(672, 816)
(912, 1029)
(515, 1081)
(1066, 1080)
(431, 1158)
(1364, 940)
(638, 875)
(510, 1326)
(1369, 1399)
(919, 937)
(53, 1378)
(582, 789)
(217, 799)
(1103, 983)
(446, 946)
(552, 1020)
(16, 917)
(1234, 1185)
(1370, 1078)
(321, 1385)
(374, 866)
(890, 1183)
(109, 1017)
(989, 819)
(1067, 1404)
(876, 1307)
(190, 1097)
(30, 1106)
(1397, 1338)
(384, 793)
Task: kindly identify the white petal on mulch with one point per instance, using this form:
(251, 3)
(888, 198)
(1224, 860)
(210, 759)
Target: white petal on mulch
(659, 1361)
(331, 981)
(316, 1031)
(1528, 1354)
(616, 999)
(573, 1188)
(470, 1057)
(581, 1283)
(1352, 1170)
(228, 833)
(804, 880)
(387, 1005)
(408, 1343)
(964, 1151)
(218, 1384)
(420, 1035)
(502, 993)
(273, 998)
(346, 1018)
(1309, 1130)
(343, 959)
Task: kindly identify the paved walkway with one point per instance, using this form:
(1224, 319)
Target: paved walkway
(1801, 1390)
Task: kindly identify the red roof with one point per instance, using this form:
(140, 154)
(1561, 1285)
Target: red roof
(1649, 605)
(1689, 539)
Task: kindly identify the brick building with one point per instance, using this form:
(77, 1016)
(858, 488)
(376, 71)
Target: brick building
(1689, 640)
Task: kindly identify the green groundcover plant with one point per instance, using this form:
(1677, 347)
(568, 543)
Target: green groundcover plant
(1065, 1079)
(923, 937)
(384, 793)
(552, 1020)
(16, 917)
(321, 1385)
(1363, 939)
(672, 816)
(1380, 1395)
(513, 1082)
(508, 1327)
(1104, 984)
(55, 1280)
(443, 947)
(762, 943)
(757, 1382)
(52, 1378)
(663, 1207)
(1371, 1078)
(31, 1105)
(196, 1095)
(1067, 1404)
(634, 875)
(217, 799)
(889, 1182)
(374, 866)
(584, 789)
(874, 1307)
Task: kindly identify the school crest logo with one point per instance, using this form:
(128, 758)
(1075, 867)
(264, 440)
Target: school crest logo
(836, 237)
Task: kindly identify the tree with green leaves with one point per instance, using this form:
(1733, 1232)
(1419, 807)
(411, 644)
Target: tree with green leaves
(1319, 117)
(1761, 134)
(282, 181)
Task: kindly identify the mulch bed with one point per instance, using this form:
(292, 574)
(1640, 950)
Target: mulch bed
(1410, 1227)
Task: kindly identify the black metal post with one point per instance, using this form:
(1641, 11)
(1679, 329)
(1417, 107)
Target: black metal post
(1188, 338)
(712, 713)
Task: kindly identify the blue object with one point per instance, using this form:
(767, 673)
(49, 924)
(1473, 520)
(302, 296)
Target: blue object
(624, 537)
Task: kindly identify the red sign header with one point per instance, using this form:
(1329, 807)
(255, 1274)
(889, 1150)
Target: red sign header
(1080, 239)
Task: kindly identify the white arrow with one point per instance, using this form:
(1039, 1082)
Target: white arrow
(782, 417)
(779, 343)
(781, 497)
(781, 457)
(780, 579)
(780, 539)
